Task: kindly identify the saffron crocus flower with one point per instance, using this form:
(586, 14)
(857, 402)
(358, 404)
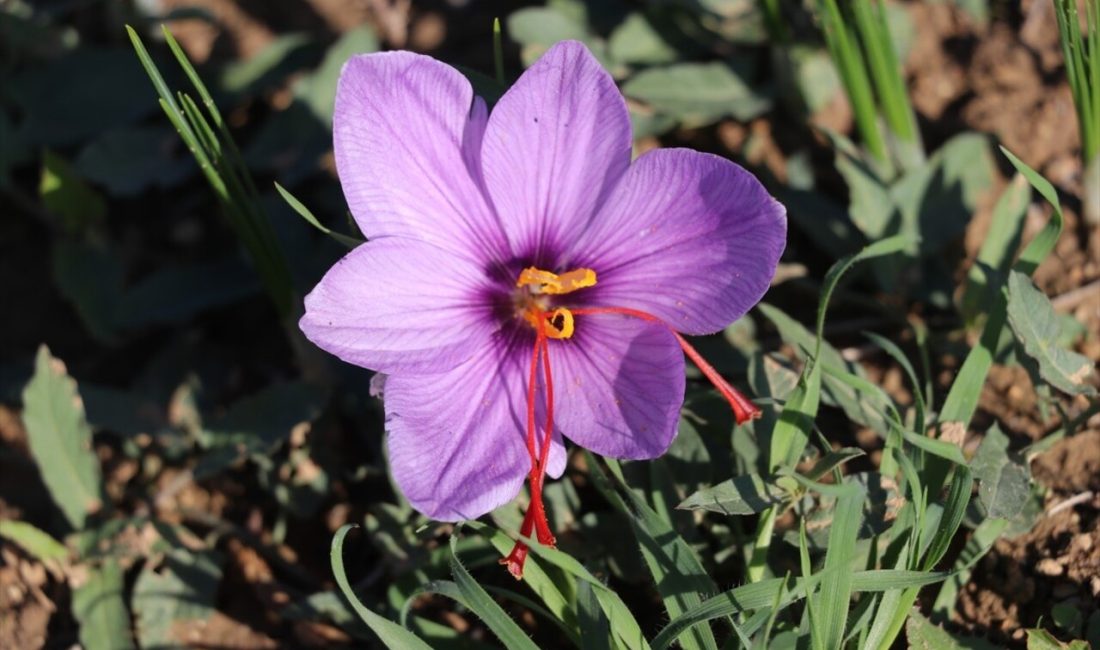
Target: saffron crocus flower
(523, 280)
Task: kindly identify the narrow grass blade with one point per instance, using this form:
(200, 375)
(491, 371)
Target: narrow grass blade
(962, 399)
(623, 624)
(677, 573)
(595, 629)
(487, 609)
(891, 348)
(834, 598)
(306, 214)
(38, 544)
(979, 543)
(391, 634)
(537, 578)
(954, 509)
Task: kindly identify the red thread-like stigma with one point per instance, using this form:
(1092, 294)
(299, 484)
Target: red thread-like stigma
(743, 408)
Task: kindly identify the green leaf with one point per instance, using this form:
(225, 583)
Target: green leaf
(958, 497)
(595, 629)
(267, 417)
(65, 194)
(962, 399)
(697, 93)
(536, 577)
(174, 595)
(922, 634)
(267, 67)
(485, 608)
(61, 440)
(834, 598)
(391, 634)
(318, 89)
(87, 91)
(129, 160)
(1036, 326)
(100, 610)
(636, 41)
(742, 495)
(1042, 640)
(538, 28)
(870, 204)
(1004, 481)
(623, 624)
(998, 247)
(677, 573)
(32, 540)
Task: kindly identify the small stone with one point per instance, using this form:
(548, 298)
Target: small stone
(1050, 567)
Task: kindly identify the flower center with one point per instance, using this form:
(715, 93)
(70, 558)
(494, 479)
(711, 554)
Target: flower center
(532, 300)
(535, 289)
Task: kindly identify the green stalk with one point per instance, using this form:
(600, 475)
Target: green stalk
(843, 47)
(222, 165)
(1081, 51)
(886, 72)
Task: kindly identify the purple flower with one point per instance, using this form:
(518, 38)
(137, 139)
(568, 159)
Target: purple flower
(501, 245)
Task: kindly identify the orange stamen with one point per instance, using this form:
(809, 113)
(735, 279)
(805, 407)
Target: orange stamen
(556, 284)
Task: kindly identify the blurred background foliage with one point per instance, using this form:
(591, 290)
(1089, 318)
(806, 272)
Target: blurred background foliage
(175, 463)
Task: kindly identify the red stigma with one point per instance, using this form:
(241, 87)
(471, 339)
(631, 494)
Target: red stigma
(743, 408)
(557, 323)
(535, 517)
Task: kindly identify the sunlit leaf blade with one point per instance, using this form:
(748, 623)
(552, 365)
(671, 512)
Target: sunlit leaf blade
(537, 578)
(623, 624)
(834, 597)
(1004, 481)
(742, 495)
(958, 497)
(487, 609)
(1036, 326)
(61, 440)
(391, 634)
(998, 247)
(677, 573)
(696, 93)
(33, 541)
(962, 399)
(922, 634)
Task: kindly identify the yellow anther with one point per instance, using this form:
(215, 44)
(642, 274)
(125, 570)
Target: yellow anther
(551, 283)
(556, 324)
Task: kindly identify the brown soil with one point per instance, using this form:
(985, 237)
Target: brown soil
(1004, 79)
(1057, 562)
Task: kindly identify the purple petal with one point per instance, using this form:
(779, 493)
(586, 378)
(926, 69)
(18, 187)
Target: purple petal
(557, 143)
(456, 440)
(406, 132)
(689, 237)
(400, 305)
(618, 386)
